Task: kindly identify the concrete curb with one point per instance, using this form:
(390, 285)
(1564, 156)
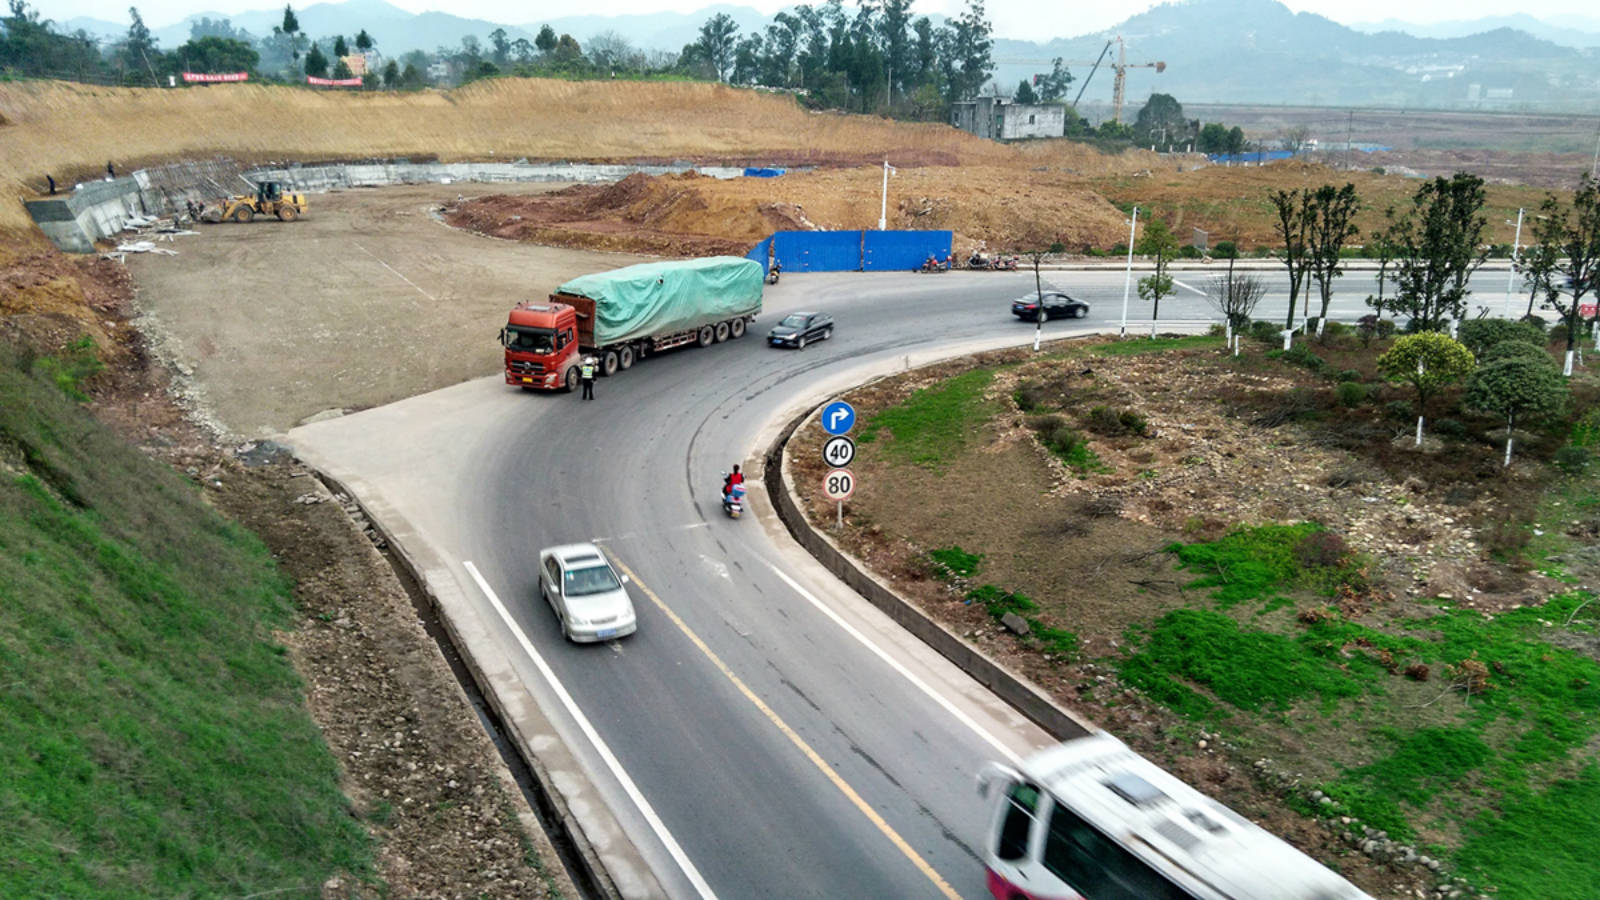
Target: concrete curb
(1022, 695)
(594, 871)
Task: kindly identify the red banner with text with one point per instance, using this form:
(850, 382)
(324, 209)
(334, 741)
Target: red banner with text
(211, 77)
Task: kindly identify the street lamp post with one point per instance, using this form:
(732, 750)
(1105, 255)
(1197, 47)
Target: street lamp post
(1127, 278)
(1511, 276)
(883, 207)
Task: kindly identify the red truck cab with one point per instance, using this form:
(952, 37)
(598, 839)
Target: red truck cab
(541, 341)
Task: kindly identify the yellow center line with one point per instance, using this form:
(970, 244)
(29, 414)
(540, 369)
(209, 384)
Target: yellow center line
(816, 759)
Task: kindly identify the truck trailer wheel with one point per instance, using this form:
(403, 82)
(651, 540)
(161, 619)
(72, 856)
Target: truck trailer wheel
(736, 328)
(609, 363)
(571, 379)
(625, 358)
(707, 336)
(722, 332)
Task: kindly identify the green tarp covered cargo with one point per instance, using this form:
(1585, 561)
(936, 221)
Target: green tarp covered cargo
(655, 299)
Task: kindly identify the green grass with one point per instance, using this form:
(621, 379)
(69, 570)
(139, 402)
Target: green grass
(1194, 660)
(1541, 844)
(1263, 562)
(153, 738)
(1139, 346)
(933, 425)
(953, 562)
(1493, 758)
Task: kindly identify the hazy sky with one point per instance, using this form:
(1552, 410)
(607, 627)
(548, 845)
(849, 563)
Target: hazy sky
(1024, 19)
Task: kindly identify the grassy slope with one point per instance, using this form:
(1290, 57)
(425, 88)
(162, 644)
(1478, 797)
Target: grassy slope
(153, 739)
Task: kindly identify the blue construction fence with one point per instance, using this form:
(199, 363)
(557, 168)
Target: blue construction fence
(851, 251)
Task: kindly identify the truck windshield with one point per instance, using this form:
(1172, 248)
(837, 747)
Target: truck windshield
(530, 340)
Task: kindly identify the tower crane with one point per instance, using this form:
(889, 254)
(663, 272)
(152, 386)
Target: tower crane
(1119, 69)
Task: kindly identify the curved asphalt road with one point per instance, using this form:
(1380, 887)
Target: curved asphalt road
(781, 738)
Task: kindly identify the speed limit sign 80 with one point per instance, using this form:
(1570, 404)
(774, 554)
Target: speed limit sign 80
(838, 484)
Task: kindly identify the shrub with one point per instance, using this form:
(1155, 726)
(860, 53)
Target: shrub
(1301, 355)
(1351, 393)
(1266, 332)
(1370, 326)
(1029, 396)
(1558, 334)
(1189, 251)
(1321, 550)
(1058, 247)
(1399, 409)
(1573, 459)
(1114, 422)
(1450, 428)
(1481, 334)
(1349, 375)
(1536, 321)
(1513, 350)
(1335, 330)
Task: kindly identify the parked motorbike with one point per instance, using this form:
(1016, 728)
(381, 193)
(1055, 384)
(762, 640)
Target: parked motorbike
(979, 261)
(733, 501)
(1007, 263)
(935, 264)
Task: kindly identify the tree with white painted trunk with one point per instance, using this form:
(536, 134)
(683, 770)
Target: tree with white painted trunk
(1516, 387)
(1329, 217)
(1160, 244)
(1428, 362)
(1569, 237)
(1234, 296)
(1292, 227)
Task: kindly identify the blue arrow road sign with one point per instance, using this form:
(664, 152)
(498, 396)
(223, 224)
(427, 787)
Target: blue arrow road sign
(838, 417)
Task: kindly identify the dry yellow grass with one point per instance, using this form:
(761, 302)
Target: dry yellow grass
(71, 129)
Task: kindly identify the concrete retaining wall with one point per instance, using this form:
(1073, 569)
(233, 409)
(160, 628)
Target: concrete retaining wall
(97, 210)
(1024, 697)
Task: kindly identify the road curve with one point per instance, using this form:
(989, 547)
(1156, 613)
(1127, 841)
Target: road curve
(766, 732)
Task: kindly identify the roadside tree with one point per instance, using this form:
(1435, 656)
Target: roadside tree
(364, 41)
(1024, 93)
(1438, 245)
(1213, 138)
(1294, 228)
(1236, 140)
(1428, 361)
(1516, 388)
(391, 74)
(215, 54)
(1381, 246)
(1479, 335)
(1330, 221)
(1161, 245)
(1569, 242)
(1234, 295)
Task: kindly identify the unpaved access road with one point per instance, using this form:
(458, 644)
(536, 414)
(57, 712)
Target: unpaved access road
(366, 301)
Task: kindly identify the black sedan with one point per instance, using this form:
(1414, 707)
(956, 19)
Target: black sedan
(1057, 305)
(801, 328)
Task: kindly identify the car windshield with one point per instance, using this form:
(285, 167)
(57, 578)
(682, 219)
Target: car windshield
(798, 320)
(592, 580)
(530, 340)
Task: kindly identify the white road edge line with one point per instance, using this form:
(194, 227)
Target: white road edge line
(632, 790)
(921, 685)
(396, 274)
(1188, 287)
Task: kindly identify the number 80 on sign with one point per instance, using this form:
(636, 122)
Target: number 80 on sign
(838, 484)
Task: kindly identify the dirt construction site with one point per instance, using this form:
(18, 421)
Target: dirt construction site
(382, 294)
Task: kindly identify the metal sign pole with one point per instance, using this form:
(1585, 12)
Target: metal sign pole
(839, 525)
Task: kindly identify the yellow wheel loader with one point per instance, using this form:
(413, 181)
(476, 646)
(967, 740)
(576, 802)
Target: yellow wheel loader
(268, 200)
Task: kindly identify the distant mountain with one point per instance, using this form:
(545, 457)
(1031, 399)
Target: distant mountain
(1215, 51)
(1567, 31)
(1259, 51)
(655, 31)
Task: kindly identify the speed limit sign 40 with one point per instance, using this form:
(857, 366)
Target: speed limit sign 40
(838, 484)
(838, 451)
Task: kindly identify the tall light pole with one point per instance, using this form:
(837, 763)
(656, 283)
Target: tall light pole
(1511, 276)
(883, 208)
(1127, 278)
